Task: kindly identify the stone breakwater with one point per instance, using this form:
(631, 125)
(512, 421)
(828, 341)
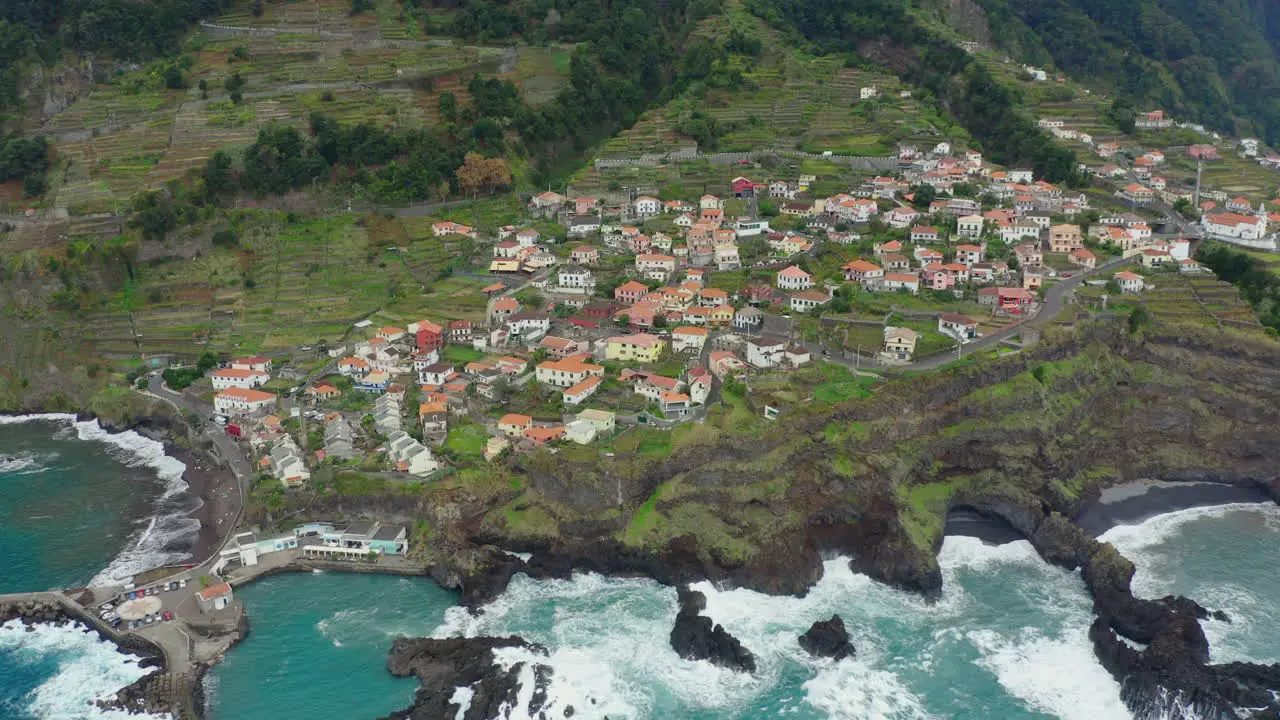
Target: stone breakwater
(152, 694)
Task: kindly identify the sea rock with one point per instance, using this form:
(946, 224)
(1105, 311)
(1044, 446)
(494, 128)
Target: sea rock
(828, 638)
(442, 666)
(695, 637)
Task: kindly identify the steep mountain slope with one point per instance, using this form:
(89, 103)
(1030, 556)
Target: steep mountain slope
(1209, 61)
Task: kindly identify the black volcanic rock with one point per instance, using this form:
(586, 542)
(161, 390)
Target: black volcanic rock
(695, 637)
(442, 666)
(828, 638)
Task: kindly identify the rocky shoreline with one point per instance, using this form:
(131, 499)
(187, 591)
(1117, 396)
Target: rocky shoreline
(150, 694)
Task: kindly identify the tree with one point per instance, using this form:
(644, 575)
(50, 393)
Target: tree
(923, 196)
(359, 6)
(448, 107)
(1138, 319)
(478, 173)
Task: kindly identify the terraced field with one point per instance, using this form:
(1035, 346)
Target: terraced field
(301, 57)
(287, 285)
(1198, 299)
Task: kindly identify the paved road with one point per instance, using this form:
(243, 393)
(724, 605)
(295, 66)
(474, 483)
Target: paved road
(226, 447)
(1054, 299)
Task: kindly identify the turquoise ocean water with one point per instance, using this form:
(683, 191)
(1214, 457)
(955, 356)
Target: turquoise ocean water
(1007, 639)
(77, 504)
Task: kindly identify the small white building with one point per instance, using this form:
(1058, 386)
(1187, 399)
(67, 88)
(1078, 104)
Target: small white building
(232, 377)
(793, 278)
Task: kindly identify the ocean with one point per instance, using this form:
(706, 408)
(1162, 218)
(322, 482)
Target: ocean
(78, 506)
(1007, 639)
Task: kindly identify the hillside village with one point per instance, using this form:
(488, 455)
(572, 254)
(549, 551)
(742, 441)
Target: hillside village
(642, 314)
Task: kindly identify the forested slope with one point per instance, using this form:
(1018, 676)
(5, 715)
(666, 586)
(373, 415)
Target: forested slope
(1209, 61)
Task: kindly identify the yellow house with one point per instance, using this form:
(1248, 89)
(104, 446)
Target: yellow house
(641, 347)
(721, 315)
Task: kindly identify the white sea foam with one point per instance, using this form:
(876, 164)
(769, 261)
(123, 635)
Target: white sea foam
(974, 554)
(1059, 676)
(43, 417)
(1157, 530)
(462, 698)
(852, 690)
(1145, 545)
(88, 669)
(147, 547)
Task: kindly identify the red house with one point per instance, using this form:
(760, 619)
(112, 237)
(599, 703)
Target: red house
(430, 336)
(600, 309)
(743, 187)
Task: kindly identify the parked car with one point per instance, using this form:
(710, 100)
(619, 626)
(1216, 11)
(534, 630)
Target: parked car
(116, 623)
(168, 616)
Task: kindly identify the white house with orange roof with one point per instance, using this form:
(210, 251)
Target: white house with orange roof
(860, 271)
(688, 338)
(447, 227)
(647, 206)
(793, 278)
(257, 364)
(710, 202)
(1129, 282)
(233, 378)
(242, 401)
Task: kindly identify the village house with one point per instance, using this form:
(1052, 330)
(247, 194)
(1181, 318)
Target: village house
(1065, 238)
(655, 267)
(428, 336)
(893, 282)
(958, 326)
(352, 367)
(885, 248)
(559, 348)
(793, 278)
(970, 226)
(901, 217)
(1137, 194)
(641, 347)
(925, 255)
(646, 206)
(233, 378)
(583, 225)
(460, 332)
(724, 364)
(766, 352)
(924, 233)
(895, 263)
(584, 255)
(242, 401)
(1084, 258)
(437, 374)
(748, 319)
(578, 393)
(1129, 282)
(575, 279)
(1152, 258)
(899, 344)
(1029, 255)
(969, 254)
(566, 373)
(688, 339)
(256, 364)
(503, 308)
(861, 271)
(650, 385)
(1189, 266)
(513, 425)
(710, 202)
(807, 300)
(442, 229)
(547, 204)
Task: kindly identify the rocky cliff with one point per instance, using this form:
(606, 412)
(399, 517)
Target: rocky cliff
(1030, 439)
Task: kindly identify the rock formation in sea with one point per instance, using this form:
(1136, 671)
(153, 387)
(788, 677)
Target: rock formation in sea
(695, 637)
(828, 638)
(443, 666)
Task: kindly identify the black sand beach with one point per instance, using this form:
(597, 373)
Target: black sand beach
(1128, 504)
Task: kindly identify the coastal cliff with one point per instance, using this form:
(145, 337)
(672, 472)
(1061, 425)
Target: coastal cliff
(1030, 439)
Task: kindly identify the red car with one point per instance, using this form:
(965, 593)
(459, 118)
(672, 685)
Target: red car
(168, 616)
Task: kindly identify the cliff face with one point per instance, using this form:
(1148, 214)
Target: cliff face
(1029, 439)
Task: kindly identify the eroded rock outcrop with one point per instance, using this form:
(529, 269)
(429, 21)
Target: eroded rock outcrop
(444, 665)
(828, 638)
(695, 637)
